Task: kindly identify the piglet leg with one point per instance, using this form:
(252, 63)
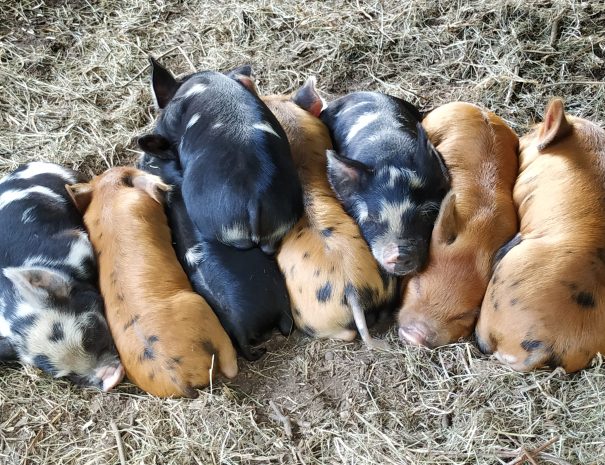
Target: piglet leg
(362, 326)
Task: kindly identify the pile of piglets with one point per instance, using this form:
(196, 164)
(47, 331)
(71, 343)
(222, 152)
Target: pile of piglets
(250, 213)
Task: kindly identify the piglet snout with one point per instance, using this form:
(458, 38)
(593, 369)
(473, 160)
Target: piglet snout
(416, 333)
(401, 259)
(110, 376)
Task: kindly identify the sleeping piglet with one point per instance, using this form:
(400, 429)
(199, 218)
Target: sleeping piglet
(441, 303)
(51, 312)
(387, 175)
(239, 185)
(168, 338)
(545, 302)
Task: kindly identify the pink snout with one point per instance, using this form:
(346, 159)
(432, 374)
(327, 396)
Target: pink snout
(110, 376)
(416, 333)
(400, 260)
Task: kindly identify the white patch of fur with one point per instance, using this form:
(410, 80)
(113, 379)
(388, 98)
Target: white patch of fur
(5, 327)
(361, 210)
(362, 121)
(13, 195)
(195, 89)
(37, 167)
(236, 232)
(278, 233)
(264, 126)
(352, 107)
(28, 215)
(80, 251)
(392, 212)
(394, 174)
(195, 254)
(193, 120)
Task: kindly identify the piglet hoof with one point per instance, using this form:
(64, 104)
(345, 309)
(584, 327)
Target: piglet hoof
(378, 344)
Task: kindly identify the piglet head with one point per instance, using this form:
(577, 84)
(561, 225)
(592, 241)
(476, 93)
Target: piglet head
(114, 179)
(441, 303)
(63, 328)
(394, 206)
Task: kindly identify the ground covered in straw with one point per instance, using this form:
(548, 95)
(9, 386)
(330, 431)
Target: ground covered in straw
(73, 89)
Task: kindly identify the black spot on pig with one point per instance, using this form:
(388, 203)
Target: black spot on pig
(332, 269)
(43, 363)
(324, 292)
(152, 339)
(531, 344)
(148, 354)
(131, 322)
(514, 301)
(317, 272)
(57, 334)
(327, 232)
(177, 360)
(584, 299)
(502, 251)
(209, 347)
(306, 255)
(484, 347)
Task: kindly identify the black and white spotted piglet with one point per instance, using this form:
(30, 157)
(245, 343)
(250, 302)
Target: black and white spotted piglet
(387, 175)
(51, 313)
(240, 185)
(245, 288)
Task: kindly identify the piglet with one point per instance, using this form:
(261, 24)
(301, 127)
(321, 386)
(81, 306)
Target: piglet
(387, 175)
(244, 287)
(239, 183)
(334, 281)
(51, 313)
(168, 338)
(545, 303)
(441, 303)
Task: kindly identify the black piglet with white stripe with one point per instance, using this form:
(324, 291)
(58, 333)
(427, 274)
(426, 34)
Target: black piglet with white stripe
(387, 175)
(240, 185)
(51, 313)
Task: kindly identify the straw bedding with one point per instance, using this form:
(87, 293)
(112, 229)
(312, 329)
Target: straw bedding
(74, 90)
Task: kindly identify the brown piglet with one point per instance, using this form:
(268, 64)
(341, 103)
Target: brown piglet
(333, 280)
(168, 338)
(477, 216)
(545, 303)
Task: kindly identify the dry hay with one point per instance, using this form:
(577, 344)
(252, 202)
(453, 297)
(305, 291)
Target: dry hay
(73, 89)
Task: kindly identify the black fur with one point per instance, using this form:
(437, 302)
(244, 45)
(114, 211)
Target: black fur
(245, 288)
(235, 176)
(374, 136)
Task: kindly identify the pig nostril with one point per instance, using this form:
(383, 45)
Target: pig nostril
(413, 335)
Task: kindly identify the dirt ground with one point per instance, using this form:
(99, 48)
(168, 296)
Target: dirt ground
(74, 90)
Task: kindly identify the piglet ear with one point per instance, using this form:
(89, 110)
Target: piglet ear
(245, 76)
(157, 145)
(35, 285)
(152, 185)
(81, 195)
(448, 223)
(345, 174)
(163, 83)
(424, 146)
(555, 126)
(308, 98)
